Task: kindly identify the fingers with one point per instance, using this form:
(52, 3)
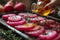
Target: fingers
(50, 4)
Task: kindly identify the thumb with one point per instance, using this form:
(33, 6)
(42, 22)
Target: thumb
(50, 4)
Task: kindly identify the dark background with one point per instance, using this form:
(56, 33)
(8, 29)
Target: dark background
(4, 1)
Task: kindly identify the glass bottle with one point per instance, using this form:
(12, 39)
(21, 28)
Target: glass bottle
(38, 7)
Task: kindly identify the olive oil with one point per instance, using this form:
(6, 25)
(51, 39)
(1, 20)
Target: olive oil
(39, 8)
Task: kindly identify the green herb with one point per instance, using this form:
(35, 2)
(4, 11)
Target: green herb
(9, 35)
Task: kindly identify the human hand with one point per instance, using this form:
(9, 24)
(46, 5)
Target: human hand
(52, 3)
